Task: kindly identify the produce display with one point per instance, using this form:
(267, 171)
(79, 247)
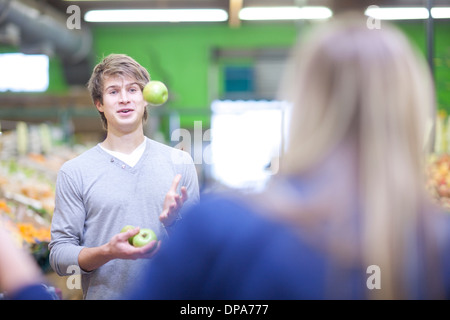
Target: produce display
(27, 187)
(438, 166)
(26, 207)
(438, 179)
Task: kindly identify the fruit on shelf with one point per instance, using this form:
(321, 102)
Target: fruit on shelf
(438, 178)
(32, 234)
(4, 207)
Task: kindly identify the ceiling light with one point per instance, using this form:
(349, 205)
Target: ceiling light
(157, 15)
(397, 13)
(440, 13)
(284, 13)
(406, 13)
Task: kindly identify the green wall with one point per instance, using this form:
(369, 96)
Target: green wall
(416, 32)
(180, 55)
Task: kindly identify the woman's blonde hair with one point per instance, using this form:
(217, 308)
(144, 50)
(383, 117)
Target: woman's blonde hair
(347, 80)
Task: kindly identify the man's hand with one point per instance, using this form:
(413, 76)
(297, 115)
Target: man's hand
(117, 248)
(123, 250)
(173, 202)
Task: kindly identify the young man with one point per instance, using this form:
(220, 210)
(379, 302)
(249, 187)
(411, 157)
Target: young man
(127, 179)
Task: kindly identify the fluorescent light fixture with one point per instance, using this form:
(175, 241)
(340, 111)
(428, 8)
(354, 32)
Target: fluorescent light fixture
(284, 13)
(440, 12)
(157, 15)
(407, 13)
(397, 13)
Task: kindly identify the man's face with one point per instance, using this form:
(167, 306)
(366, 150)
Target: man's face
(123, 104)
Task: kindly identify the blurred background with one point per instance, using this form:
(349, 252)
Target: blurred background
(221, 60)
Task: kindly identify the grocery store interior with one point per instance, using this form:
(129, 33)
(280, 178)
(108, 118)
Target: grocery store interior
(222, 71)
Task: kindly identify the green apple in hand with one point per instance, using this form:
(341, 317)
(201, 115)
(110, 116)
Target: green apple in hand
(125, 229)
(144, 237)
(155, 92)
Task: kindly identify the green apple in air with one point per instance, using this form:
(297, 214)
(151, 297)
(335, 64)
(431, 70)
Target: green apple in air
(144, 237)
(155, 92)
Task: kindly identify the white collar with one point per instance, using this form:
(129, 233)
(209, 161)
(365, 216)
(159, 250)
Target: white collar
(130, 159)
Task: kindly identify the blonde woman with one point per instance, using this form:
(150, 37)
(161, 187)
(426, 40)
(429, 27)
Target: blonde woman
(361, 100)
(348, 216)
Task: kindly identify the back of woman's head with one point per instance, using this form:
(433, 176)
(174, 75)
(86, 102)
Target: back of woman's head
(347, 82)
(345, 78)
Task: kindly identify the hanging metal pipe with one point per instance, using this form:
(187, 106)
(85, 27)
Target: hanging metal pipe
(46, 32)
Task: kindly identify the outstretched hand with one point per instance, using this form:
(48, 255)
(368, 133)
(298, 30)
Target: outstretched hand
(173, 202)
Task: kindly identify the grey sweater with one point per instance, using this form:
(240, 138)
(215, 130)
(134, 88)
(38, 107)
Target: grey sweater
(97, 195)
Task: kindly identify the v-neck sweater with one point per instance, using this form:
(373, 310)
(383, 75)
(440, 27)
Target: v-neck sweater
(97, 194)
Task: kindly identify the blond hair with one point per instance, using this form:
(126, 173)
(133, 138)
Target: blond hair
(349, 81)
(111, 66)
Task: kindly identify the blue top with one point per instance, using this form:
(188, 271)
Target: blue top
(32, 292)
(225, 251)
